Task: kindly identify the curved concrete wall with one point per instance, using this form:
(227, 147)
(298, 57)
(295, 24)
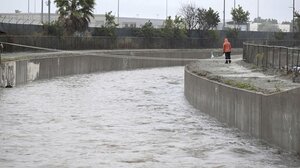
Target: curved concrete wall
(273, 118)
(46, 66)
(21, 72)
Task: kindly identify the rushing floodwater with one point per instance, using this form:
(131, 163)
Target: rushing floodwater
(120, 119)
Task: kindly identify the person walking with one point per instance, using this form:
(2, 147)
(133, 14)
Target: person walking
(227, 51)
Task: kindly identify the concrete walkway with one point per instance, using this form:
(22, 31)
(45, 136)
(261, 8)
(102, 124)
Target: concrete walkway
(242, 75)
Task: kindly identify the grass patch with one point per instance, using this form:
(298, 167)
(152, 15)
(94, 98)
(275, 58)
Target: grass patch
(259, 56)
(253, 66)
(240, 85)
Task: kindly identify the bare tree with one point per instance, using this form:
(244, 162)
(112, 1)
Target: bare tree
(189, 14)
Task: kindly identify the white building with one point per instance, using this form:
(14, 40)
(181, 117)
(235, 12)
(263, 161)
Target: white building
(253, 26)
(97, 21)
(230, 25)
(125, 22)
(282, 27)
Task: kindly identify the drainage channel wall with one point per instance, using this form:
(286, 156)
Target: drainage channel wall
(38, 67)
(273, 118)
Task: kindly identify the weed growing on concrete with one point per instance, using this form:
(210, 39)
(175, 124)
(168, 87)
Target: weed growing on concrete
(253, 66)
(259, 56)
(277, 87)
(241, 85)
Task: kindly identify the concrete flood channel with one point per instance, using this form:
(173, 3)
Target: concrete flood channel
(129, 118)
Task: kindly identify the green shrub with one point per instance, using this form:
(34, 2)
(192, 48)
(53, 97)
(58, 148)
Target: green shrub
(55, 28)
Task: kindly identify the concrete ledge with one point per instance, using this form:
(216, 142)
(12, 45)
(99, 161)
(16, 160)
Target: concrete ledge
(273, 118)
(20, 68)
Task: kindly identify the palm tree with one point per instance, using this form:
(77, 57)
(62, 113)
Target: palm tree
(75, 14)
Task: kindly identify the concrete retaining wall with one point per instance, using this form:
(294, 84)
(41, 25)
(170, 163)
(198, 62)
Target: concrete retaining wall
(47, 66)
(8, 74)
(21, 72)
(273, 118)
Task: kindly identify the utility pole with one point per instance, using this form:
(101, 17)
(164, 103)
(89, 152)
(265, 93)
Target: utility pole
(224, 16)
(42, 11)
(234, 4)
(166, 9)
(28, 5)
(49, 7)
(257, 9)
(293, 28)
(34, 6)
(234, 9)
(119, 12)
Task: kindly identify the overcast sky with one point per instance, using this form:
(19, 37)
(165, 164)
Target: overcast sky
(276, 9)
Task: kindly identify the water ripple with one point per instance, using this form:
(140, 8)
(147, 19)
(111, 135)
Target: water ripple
(120, 119)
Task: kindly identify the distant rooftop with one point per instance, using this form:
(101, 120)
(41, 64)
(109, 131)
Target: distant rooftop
(97, 21)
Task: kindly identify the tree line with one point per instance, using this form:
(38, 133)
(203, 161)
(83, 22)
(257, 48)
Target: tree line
(75, 16)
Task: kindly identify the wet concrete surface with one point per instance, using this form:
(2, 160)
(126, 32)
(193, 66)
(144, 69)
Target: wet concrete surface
(241, 72)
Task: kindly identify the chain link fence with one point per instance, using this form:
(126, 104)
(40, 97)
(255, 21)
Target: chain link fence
(20, 25)
(101, 42)
(20, 20)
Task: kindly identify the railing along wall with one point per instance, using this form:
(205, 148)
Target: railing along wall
(276, 57)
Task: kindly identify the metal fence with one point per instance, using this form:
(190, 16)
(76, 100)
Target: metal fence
(99, 42)
(268, 56)
(102, 42)
(21, 19)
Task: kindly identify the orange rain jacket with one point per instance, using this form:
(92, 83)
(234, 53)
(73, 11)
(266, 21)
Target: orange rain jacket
(226, 46)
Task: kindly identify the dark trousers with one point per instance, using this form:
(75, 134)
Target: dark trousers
(227, 57)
